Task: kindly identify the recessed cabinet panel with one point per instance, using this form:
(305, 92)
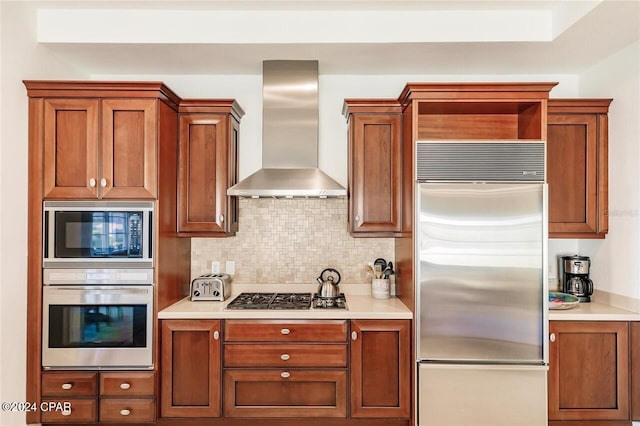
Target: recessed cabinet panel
(190, 368)
(70, 131)
(375, 176)
(128, 148)
(589, 370)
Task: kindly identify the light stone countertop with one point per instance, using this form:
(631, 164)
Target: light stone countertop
(360, 305)
(593, 311)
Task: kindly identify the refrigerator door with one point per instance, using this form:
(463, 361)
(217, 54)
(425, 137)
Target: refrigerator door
(481, 254)
(478, 395)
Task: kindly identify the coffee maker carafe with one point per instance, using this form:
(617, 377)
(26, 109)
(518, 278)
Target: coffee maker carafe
(575, 277)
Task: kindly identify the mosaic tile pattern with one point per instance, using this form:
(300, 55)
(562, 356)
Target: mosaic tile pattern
(289, 242)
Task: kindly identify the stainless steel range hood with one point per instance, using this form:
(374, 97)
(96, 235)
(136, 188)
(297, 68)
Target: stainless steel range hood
(289, 136)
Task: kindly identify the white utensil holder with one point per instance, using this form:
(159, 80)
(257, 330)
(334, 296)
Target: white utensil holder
(381, 288)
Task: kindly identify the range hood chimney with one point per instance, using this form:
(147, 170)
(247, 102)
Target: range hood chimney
(289, 136)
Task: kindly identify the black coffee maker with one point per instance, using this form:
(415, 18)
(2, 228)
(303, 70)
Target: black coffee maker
(575, 277)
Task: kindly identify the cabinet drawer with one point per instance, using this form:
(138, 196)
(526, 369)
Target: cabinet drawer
(127, 383)
(68, 384)
(127, 410)
(285, 355)
(285, 393)
(285, 331)
(82, 411)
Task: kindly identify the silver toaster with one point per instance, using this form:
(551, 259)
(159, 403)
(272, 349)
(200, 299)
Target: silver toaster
(211, 287)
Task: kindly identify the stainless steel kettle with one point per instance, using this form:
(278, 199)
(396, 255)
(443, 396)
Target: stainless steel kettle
(328, 283)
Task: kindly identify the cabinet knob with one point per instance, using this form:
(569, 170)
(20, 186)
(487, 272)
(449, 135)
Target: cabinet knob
(285, 374)
(357, 218)
(67, 386)
(552, 337)
(285, 357)
(125, 386)
(66, 412)
(103, 182)
(354, 335)
(216, 335)
(221, 218)
(92, 182)
(125, 412)
(285, 331)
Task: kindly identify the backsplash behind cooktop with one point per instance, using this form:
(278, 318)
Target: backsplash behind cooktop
(291, 241)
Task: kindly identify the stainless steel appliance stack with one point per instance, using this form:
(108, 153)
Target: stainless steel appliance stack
(481, 296)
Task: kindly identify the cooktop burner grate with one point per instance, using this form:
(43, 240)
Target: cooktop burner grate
(271, 301)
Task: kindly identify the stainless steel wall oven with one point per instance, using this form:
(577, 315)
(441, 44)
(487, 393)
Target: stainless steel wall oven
(97, 319)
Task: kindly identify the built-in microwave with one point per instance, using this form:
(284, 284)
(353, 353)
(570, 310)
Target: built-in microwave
(99, 234)
(89, 325)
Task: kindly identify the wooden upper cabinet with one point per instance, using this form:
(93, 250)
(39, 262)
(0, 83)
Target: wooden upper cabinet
(577, 169)
(589, 370)
(99, 139)
(208, 166)
(375, 168)
(128, 160)
(70, 134)
(380, 368)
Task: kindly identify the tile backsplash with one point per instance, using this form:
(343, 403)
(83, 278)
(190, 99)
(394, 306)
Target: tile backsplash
(290, 241)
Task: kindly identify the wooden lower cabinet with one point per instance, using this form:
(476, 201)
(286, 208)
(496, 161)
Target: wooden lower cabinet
(285, 393)
(116, 396)
(589, 371)
(190, 368)
(635, 371)
(380, 368)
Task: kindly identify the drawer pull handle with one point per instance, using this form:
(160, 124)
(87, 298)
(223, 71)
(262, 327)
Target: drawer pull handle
(125, 412)
(216, 335)
(125, 386)
(285, 374)
(285, 331)
(92, 182)
(66, 412)
(285, 357)
(354, 335)
(67, 386)
(103, 182)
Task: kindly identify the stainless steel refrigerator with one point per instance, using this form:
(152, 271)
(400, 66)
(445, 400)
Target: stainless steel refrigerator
(481, 296)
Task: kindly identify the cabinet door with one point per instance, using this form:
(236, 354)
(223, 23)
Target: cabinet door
(190, 368)
(204, 174)
(129, 131)
(577, 175)
(589, 370)
(70, 132)
(380, 368)
(375, 186)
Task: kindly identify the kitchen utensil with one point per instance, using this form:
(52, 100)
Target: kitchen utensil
(388, 271)
(328, 283)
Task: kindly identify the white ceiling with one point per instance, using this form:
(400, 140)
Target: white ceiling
(583, 33)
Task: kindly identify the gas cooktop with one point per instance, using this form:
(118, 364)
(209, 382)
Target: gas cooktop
(285, 301)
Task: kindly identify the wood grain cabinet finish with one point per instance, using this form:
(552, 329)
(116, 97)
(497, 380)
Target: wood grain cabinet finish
(99, 139)
(374, 169)
(190, 368)
(127, 383)
(208, 166)
(125, 410)
(277, 368)
(577, 167)
(114, 160)
(589, 371)
(83, 410)
(69, 383)
(635, 371)
(380, 368)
